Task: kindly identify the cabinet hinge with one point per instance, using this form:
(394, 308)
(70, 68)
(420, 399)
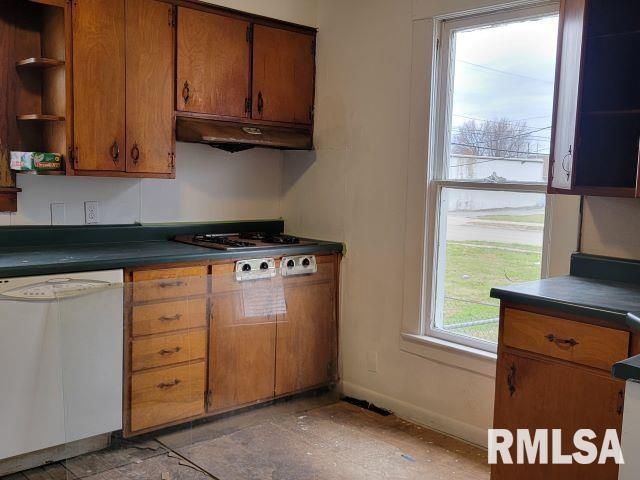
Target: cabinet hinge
(250, 33)
(312, 111)
(207, 397)
(313, 46)
(247, 106)
(172, 17)
(172, 160)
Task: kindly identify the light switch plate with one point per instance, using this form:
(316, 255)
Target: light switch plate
(57, 214)
(91, 213)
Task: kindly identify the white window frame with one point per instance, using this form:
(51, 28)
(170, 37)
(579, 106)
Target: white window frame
(438, 169)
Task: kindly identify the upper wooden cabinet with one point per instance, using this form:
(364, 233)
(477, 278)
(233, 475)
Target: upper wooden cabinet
(150, 67)
(123, 50)
(214, 55)
(596, 133)
(99, 85)
(283, 75)
(217, 76)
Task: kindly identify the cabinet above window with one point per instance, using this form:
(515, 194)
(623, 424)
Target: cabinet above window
(596, 134)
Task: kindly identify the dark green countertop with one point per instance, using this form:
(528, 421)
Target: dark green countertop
(603, 299)
(62, 253)
(598, 287)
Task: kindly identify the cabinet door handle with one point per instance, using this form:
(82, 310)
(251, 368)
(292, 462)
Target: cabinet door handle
(175, 318)
(561, 342)
(167, 385)
(566, 162)
(186, 92)
(176, 283)
(511, 379)
(165, 352)
(115, 151)
(260, 103)
(135, 153)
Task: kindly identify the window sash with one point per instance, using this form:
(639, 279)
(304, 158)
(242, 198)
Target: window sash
(438, 170)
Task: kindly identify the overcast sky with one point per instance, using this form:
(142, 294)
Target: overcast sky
(507, 71)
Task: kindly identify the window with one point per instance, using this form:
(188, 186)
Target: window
(495, 81)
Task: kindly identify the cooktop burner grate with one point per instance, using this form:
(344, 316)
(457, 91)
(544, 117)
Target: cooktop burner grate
(222, 240)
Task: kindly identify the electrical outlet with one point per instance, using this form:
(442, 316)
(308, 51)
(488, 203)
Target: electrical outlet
(372, 361)
(91, 213)
(57, 214)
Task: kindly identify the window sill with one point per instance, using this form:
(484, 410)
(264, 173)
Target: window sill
(450, 353)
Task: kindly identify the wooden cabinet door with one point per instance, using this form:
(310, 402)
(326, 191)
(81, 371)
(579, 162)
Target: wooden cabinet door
(533, 394)
(283, 75)
(241, 356)
(567, 88)
(214, 54)
(306, 336)
(99, 84)
(150, 74)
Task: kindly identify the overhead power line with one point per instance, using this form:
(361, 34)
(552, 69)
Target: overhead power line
(504, 72)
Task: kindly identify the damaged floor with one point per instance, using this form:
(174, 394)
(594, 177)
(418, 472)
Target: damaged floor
(302, 439)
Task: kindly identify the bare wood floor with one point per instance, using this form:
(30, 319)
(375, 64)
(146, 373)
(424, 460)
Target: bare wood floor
(314, 438)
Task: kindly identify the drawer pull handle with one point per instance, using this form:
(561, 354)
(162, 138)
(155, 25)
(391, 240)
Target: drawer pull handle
(177, 283)
(175, 318)
(165, 352)
(561, 342)
(511, 379)
(165, 386)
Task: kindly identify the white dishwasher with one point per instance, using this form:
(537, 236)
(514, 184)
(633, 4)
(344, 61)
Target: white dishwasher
(60, 359)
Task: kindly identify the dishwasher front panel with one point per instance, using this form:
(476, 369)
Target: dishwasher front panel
(60, 361)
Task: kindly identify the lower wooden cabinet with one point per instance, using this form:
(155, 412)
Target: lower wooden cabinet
(536, 391)
(198, 342)
(306, 353)
(241, 360)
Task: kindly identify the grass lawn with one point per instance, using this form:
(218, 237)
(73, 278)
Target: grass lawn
(472, 268)
(533, 218)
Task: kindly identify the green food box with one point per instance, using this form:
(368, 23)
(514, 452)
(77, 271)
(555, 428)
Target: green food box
(35, 161)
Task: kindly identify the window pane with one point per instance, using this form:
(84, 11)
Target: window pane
(503, 80)
(487, 239)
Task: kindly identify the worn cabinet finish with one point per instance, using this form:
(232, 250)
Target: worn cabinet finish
(306, 334)
(283, 75)
(242, 347)
(214, 54)
(149, 87)
(532, 393)
(99, 84)
(555, 373)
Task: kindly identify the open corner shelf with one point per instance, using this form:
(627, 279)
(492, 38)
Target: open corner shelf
(38, 117)
(39, 62)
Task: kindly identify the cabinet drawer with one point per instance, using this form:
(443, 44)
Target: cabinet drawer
(167, 395)
(577, 342)
(169, 283)
(160, 351)
(165, 317)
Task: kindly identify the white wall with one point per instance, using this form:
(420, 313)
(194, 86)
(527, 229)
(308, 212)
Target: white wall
(210, 184)
(611, 227)
(354, 188)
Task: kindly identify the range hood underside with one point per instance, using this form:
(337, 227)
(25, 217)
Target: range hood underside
(235, 137)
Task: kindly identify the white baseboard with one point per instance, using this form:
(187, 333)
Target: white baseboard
(418, 415)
